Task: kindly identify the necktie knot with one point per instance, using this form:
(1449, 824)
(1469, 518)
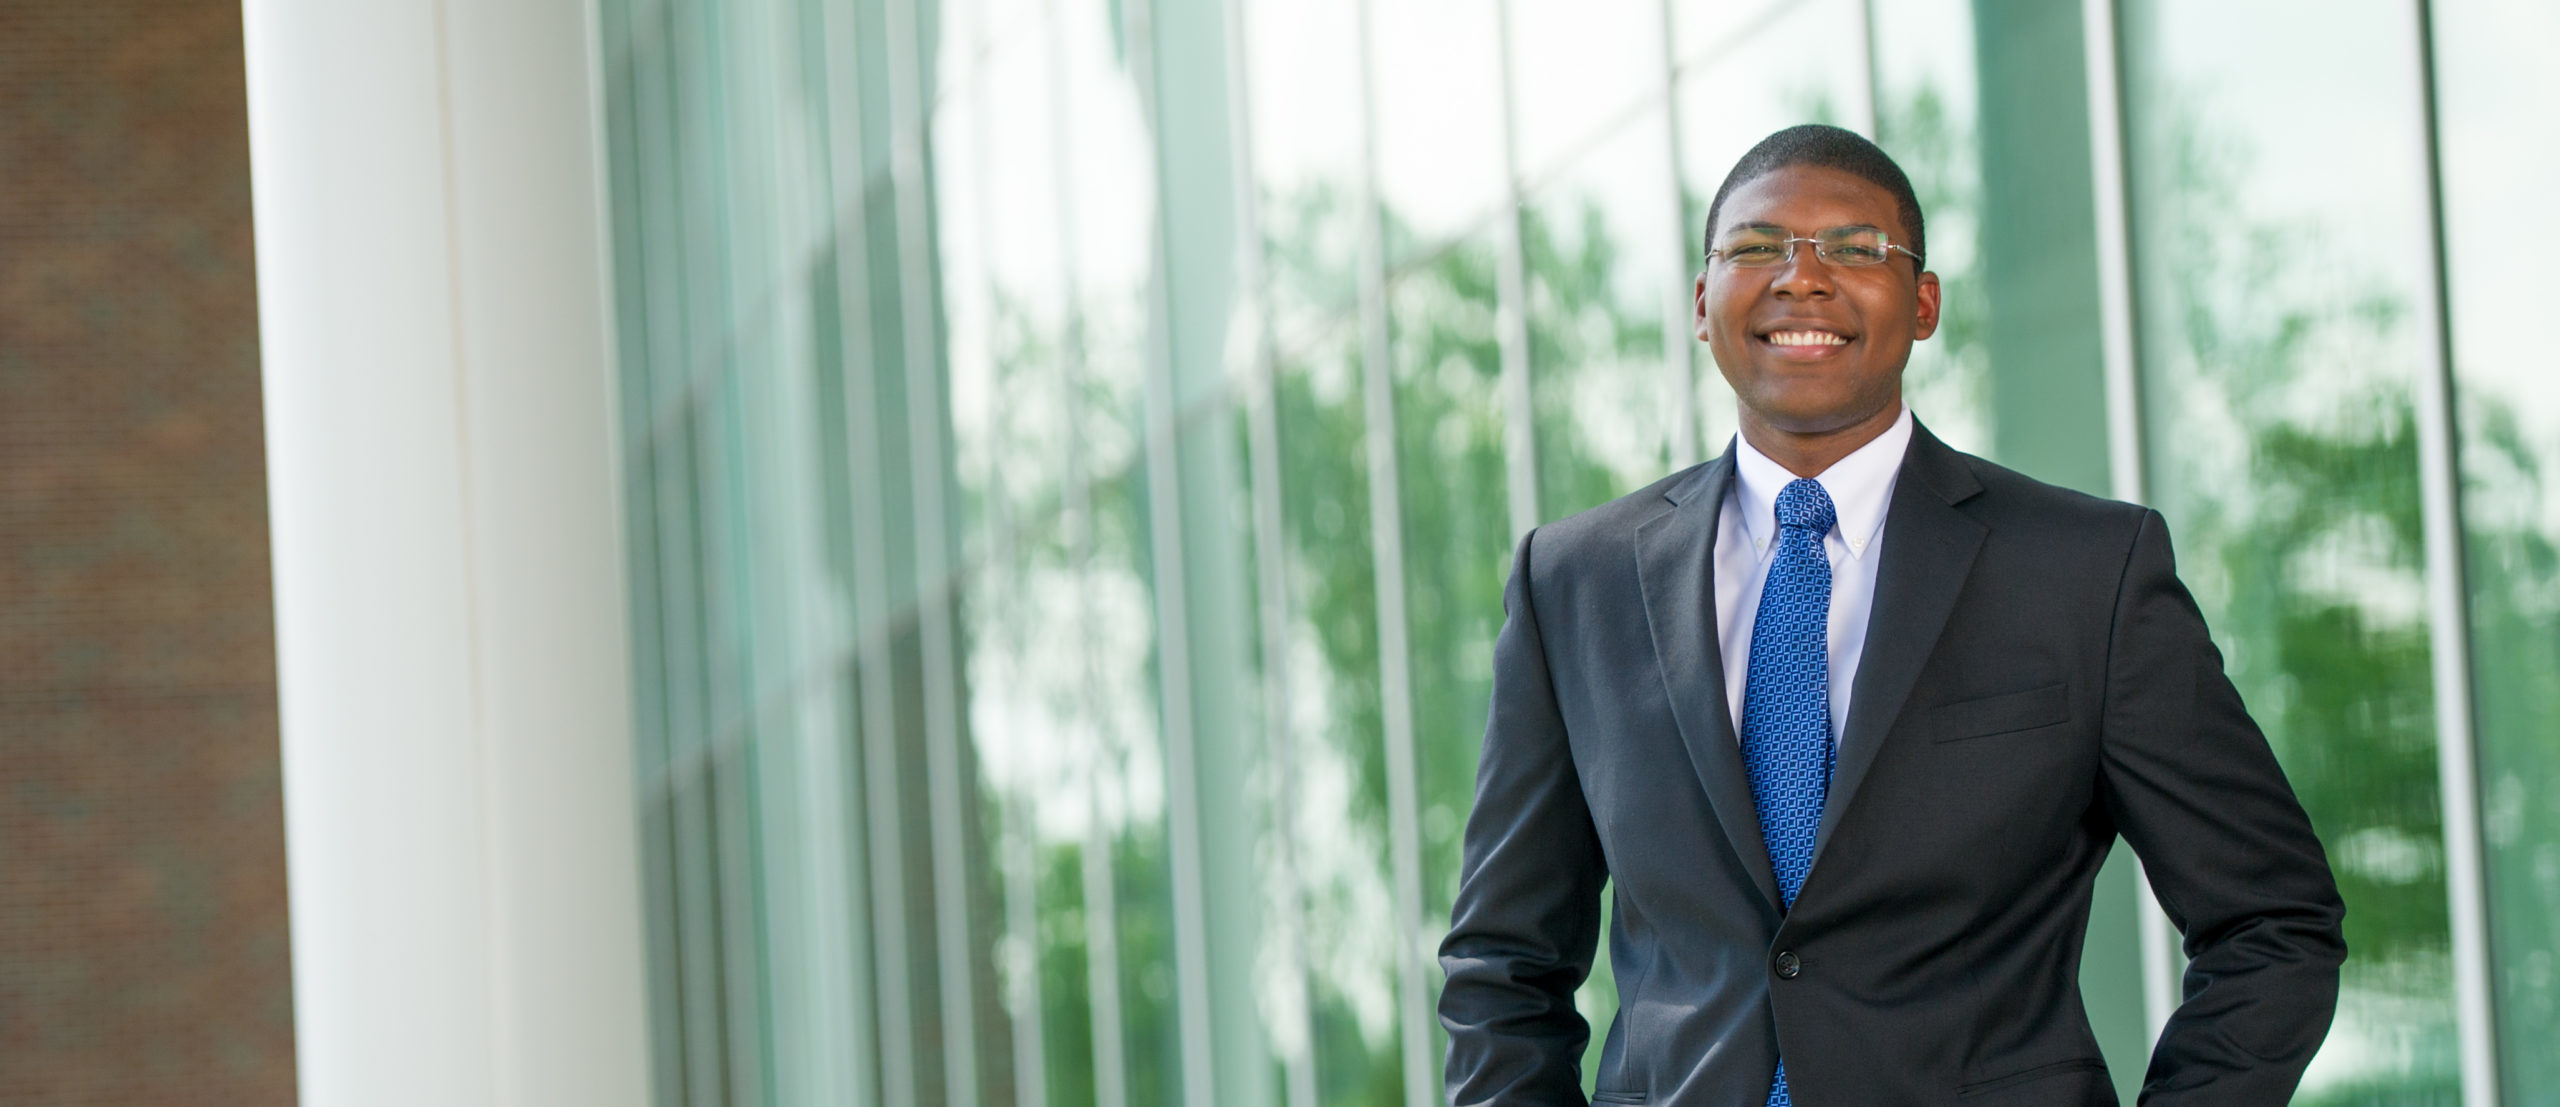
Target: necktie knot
(1803, 503)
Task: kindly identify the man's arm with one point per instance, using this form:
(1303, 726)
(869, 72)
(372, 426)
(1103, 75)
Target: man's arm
(1528, 908)
(2193, 787)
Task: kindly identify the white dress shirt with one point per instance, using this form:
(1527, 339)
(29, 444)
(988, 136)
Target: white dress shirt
(1860, 485)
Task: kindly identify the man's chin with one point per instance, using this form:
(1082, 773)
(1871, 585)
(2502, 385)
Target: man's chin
(1807, 417)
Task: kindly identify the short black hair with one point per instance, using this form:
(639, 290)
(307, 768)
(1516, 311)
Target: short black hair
(1827, 147)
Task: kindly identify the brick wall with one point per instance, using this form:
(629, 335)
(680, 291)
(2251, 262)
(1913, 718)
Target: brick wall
(143, 955)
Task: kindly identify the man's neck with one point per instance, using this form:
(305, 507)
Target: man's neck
(1810, 453)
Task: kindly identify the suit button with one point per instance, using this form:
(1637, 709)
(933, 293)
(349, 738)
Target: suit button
(1789, 964)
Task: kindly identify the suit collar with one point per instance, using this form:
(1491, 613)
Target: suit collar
(1675, 568)
(1929, 549)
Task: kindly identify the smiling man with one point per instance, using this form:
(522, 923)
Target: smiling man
(1852, 719)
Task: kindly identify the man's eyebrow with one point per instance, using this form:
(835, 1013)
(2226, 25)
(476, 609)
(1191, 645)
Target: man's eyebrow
(1773, 228)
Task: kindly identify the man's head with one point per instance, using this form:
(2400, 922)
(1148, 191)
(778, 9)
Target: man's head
(1814, 345)
(1828, 147)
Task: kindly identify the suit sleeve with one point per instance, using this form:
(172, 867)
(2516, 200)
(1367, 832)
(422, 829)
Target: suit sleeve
(2193, 787)
(1528, 909)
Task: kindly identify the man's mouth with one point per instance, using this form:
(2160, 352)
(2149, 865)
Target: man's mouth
(1805, 338)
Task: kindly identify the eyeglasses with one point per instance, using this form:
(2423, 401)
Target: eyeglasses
(1848, 247)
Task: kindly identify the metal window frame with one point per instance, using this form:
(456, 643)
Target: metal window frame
(2448, 614)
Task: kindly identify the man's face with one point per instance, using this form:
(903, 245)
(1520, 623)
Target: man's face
(1808, 346)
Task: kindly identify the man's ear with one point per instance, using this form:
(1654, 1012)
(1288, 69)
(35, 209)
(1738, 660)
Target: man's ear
(1927, 322)
(1698, 307)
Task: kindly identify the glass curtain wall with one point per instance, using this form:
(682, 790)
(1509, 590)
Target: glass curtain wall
(1075, 448)
(2490, 95)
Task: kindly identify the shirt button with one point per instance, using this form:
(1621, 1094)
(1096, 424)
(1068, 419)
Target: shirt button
(1789, 964)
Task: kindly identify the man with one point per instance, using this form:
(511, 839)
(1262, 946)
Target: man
(1852, 719)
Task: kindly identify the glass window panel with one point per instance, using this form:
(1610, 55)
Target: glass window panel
(999, 20)
(1703, 31)
(1032, 711)
(694, 928)
(1245, 890)
(1578, 69)
(957, 37)
(2282, 256)
(706, 158)
(976, 830)
(1457, 538)
(782, 548)
(1336, 805)
(869, 86)
(803, 822)
(1439, 114)
(744, 952)
(1601, 248)
(1728, 103)
(891, 424)
(962, 210)
(778, 160)
(628, 193)
(660, 252)
(903, 892)
(2495, 86)
(1129, 787)
(721, 481)
(1110, 233)
(659, 898)
(725, 545)
(1925, 107)
(827, 599)
(790, 822)
(704, 997)
(1306, 156)
(1024, 328)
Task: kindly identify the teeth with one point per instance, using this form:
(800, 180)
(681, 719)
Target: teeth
(1807, 338)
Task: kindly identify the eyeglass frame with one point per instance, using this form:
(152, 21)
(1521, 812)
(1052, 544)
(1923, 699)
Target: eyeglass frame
(1718, 253)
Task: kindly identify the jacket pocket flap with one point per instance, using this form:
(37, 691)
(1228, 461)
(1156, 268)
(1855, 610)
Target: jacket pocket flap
(2001, 714)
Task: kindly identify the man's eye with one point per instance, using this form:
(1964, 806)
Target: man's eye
(1756, 252)
(1859, 255)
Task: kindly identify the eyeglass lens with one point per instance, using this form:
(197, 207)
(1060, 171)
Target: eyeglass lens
(1846, 246)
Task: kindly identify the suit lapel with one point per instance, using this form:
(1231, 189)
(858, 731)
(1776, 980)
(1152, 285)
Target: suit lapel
(1929, 548)
(1675, 566)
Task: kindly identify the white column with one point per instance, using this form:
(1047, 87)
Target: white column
(451, 636)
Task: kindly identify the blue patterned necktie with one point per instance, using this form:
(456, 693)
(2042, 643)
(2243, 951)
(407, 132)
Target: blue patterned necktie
(1786, 699)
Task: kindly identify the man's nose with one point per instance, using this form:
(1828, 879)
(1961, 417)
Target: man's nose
(1804, 275)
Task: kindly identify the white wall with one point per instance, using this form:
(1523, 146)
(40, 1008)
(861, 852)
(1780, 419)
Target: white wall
(451, 634)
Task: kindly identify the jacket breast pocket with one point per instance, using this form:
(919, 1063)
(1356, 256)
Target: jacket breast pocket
(1606, 1096)
(2006, 713)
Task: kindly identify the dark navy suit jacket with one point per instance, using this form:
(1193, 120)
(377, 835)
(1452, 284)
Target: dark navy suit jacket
(2035, 682)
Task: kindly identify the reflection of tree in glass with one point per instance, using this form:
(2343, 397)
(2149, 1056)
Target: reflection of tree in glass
(2515, 625)
(2285, 452)
(1595, 361)
(1947, 378)
(1097, 697)
(1066, 1003)
(1341, 828)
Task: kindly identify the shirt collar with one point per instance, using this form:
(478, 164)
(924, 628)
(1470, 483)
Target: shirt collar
(1860, 486)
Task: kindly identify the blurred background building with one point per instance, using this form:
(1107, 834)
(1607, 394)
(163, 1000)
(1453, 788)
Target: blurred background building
(143, 954)
(912, 552)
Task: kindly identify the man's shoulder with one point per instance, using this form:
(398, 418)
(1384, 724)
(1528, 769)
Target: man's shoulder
(2013, 501)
